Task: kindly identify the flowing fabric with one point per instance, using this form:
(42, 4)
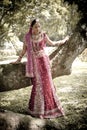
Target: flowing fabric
(29, 64)
(43, 100)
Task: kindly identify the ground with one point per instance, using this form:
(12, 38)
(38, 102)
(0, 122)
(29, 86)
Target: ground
(72, 92)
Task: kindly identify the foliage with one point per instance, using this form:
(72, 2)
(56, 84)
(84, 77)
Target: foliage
(82, 7)
(15, 16)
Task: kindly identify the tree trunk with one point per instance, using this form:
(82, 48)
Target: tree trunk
(63, 57)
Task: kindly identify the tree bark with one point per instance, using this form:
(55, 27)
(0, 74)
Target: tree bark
(63, 57)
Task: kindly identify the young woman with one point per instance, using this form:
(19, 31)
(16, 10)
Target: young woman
(43, 101)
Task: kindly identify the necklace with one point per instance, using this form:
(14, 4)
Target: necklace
(36, 37)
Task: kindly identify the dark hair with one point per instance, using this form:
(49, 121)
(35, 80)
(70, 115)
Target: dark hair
(33, 22)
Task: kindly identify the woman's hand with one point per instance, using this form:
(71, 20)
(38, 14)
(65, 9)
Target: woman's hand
(21, 55)
(65, 40)
(17, 61)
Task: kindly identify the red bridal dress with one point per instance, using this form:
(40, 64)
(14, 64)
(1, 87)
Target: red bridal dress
(43, 102)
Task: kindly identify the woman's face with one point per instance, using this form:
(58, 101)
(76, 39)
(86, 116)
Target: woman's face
(36, 28)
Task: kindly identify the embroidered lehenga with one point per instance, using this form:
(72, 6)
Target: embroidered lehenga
(43, 100)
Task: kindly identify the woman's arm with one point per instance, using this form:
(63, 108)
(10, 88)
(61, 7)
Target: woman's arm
(56, 43)
(21, 54)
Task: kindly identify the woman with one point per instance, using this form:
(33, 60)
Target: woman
(43, 102)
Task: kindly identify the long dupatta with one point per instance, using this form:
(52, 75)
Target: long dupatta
(29, 64)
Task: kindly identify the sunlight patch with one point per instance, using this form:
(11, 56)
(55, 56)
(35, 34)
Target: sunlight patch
(65, 89)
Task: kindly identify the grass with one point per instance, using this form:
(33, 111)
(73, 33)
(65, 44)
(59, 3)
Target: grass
(72, 92)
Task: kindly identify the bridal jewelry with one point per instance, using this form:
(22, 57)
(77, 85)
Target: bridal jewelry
(36, 37)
